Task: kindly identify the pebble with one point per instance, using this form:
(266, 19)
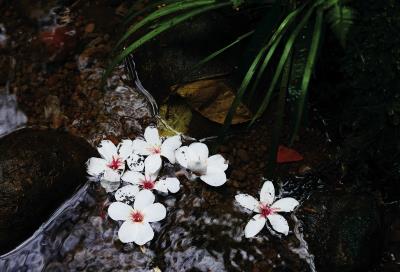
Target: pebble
(89, 28)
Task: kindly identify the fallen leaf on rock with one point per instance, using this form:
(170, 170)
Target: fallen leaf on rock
(212, 98)
(286, 155)
(175, 117)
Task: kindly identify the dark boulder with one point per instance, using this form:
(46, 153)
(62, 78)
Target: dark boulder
(39, 169)
(169, 59)
(344, 231)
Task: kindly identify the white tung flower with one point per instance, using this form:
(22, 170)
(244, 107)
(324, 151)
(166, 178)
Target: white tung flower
(194, 157)
(266, 208)
(149, 182)
(112, 162)
(153, 147)
(136, 227)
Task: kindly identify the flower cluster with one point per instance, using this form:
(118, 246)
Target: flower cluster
(131, 171)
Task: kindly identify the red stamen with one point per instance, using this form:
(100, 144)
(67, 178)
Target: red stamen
(115, 163)
(148, 184)
(136, 216)
(265, 210)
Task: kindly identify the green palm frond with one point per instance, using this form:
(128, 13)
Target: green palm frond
(165, 25)
(279, 49)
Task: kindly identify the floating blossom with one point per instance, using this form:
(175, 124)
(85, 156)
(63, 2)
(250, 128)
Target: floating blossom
(194, 157)
(149, 181)
(136, 227)
(266, 208)
(112, 162)
(153, 147)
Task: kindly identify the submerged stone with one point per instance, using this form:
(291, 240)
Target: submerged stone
(39, 170)
(344, 231)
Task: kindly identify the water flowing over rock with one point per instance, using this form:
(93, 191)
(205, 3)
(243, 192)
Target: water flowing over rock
(203, 231)
(39, 170)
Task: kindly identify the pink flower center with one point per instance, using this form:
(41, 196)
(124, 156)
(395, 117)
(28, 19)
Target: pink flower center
(115, 163)
(148, 184)
(136, 216)
(265, 210)
(155, 150)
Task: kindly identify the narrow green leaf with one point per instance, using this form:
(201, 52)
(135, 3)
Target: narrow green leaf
(164, 11)
(287, 49)
(220, 51)
(308, 71)
(239, 95)
(155, 32)
(250, 73)
(274, 41)
(340, 19)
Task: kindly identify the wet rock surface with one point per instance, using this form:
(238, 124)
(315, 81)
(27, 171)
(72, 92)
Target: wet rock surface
(185, 46)
(344, 231)
(39, 170)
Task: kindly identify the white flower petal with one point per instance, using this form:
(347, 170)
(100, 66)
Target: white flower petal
(152, 164)
(96, 166)
(217, 161)
(143, 199)
(267, 194)
(111, 175)
(151, 136)
(199, 150)
(197, 155)
(107, 150)
(254, 226)
(119, 211)
(128, 232)
(278, 223)
(173, 184)
(127, 192)
(168, 184)
(285, 204)
(154, 212)
(144, 233)
(161, 186)
(248, 202)
(181, 157)
(214, 178)
(125, 149)
(141, 147)
(169, 146)
(135, 162)
(133, 177)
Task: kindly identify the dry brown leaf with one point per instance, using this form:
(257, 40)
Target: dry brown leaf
(212, 98)
(175, 117)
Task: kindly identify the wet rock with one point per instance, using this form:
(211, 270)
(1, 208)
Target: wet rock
(169, 59)
(39, 170)
(343, 230)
